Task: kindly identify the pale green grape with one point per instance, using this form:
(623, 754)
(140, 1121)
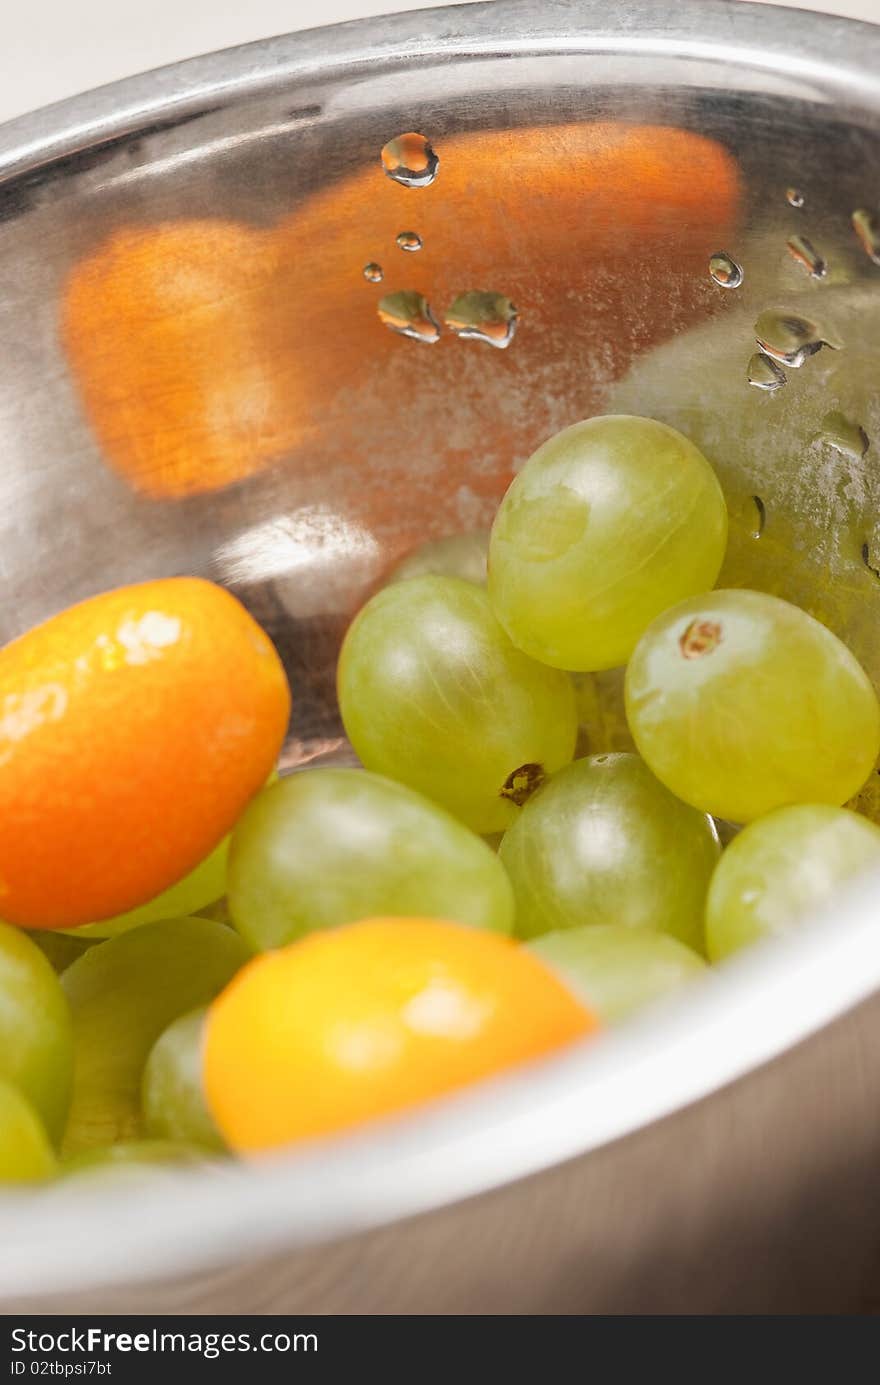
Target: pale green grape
(608, 523)
(741, 703)
(780, 868)
(617, 970)
(331, 846)
(459, 555)
(433, 693)
(130, 1158)
(605, 843)
(36, 1036)
(173, 1101)
(123, 994)
(818, 507)
(25, 1153)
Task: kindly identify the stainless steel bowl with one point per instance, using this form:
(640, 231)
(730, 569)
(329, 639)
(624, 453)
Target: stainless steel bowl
(719, 1154)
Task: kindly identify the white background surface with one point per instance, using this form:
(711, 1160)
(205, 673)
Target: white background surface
(54, 48)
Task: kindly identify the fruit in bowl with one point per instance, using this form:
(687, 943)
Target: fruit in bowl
(248, 964)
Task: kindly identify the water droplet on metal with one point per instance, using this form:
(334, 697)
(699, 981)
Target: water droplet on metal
(725, 271)
(764, 373)
(373, 273)
(789, 338)
(794, 197)
(866, 225)
(409, 314)
(480, 316)
(410, 161)
(843, 435)
(762, 517)
(409, 240)
(806, 254)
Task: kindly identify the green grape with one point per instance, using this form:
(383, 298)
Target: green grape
(608, 523)
(36, 1036)
(459, 555)
(433, 693)
(130, 1157)
(618, 970)
(331, 846)
(605, 843)
(173, 1102)
(741, 703)
(780, 868)
(123, 994)
(804, 516)
(25, 1153)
